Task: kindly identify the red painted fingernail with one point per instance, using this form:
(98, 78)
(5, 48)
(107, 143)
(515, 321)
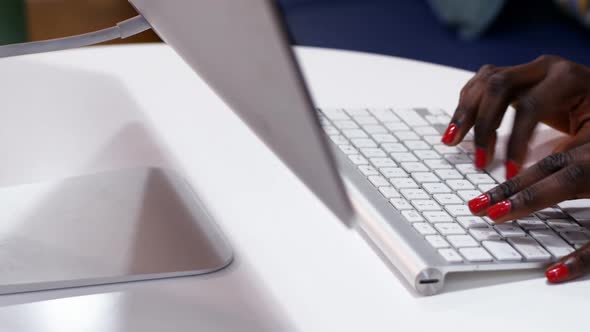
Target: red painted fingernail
(511, 169)
(480, 158)
(449, 134)
(500, 209)
(479, 203)
(558, 273)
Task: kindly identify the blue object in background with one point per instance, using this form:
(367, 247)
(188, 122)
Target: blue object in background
(523, 30)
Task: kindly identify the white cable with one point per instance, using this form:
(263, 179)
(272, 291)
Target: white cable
(122, 30)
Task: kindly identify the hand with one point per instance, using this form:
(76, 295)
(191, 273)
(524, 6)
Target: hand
(559, 177)
(550, 90)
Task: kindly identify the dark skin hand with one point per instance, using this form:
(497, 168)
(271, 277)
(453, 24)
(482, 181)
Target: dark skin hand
(548, 90)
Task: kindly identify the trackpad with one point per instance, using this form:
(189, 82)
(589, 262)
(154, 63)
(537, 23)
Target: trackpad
(111, 227)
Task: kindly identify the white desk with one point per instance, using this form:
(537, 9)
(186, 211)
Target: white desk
(83, 111)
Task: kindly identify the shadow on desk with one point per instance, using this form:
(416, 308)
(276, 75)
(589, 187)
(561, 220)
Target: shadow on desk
(121, 137)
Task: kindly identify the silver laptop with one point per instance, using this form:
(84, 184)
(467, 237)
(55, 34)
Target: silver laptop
(383, 171)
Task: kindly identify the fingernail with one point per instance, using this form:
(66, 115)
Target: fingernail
(449, 134)
(500, 209)
(479, 203)
(511, 169)
(558, 273)
(480, 158)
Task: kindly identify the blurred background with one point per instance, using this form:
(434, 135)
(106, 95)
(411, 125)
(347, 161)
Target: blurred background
(459, 33)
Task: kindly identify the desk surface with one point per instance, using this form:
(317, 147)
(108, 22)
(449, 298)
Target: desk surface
(296, 267)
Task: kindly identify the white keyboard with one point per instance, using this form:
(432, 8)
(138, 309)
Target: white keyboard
(400, 153)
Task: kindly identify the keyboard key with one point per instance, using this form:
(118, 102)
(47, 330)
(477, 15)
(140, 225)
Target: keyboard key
(406, 135)
(486, 187)
(458, 210)
(357, 159)
(467, 169)
(368, 170)
(552, 242)
(424, 228)
(414, 166)
(345, 124)
(437, 164)
(383, 162)
(422, 177)
(458, 158)
(467, 195)
(393, 172)
(449, 228)
(335, 114)
(378, 181)
(462, 241)
(384, 115)
(365, 120)
(400, 204)
(509, 230)
(357, 112)
(402, 183)
(394, 147)
(502, 251)
(373, 152)
(331, 130)
(363, 143)
(459, 184)
(437, 216)
(412, 216)
(354, 133)
(411, 194)
(578, 209)
(576, 237)
(448, 174)
(445, 199)
(389, 192)
(562, 225)
(384, 138)
(476, 254)
(529, 248)
(436, 188)
(417, 145)
(339, 139)
(450, 255)
(426, 130)
(396, 126)
(432, 139)
(348, 149)
(445, 149)
(471, 222)
(466, 147)
(437, 241)
(484, 234)
(403, 156)
(375, 129)
(480, 179)
(410, 117)
(551, 213)
(425, 205)
(529, 224)
(426, 154)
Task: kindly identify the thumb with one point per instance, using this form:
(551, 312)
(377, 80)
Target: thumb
(580, 138)
(571, 266)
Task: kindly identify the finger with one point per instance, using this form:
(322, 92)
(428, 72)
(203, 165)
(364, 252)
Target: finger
(560, 186)
(469, 99)
(529, 107)
(581, 138)
(570, 267)
(526, 178)
(501, 88)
